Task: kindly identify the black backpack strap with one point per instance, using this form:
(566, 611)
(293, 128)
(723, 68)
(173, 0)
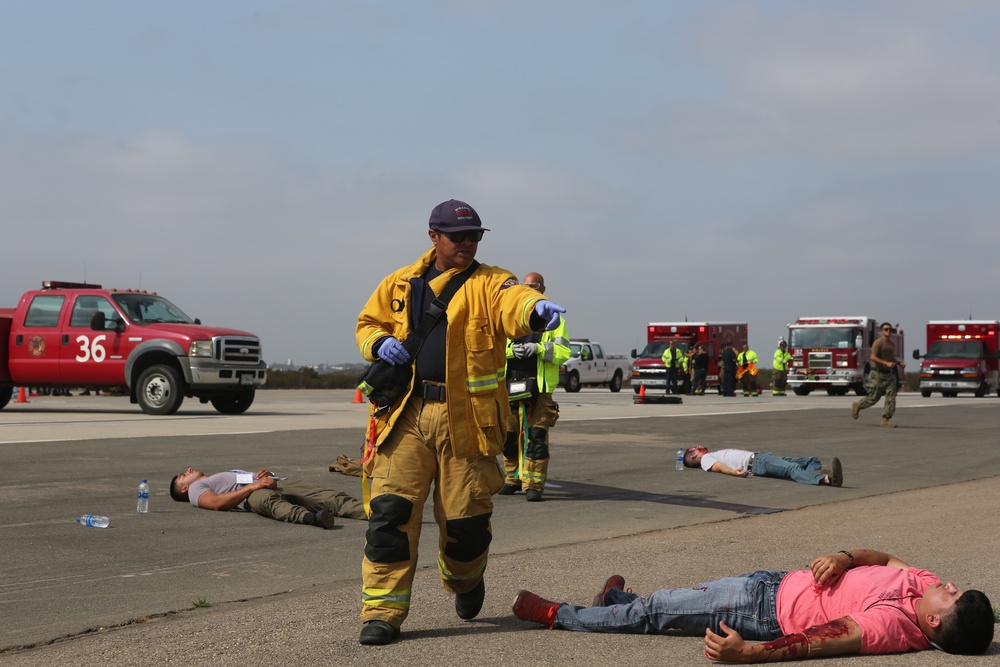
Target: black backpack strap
(438, 306)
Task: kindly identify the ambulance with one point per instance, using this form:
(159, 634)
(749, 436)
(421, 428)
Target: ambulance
(648, 369)
(961, 358)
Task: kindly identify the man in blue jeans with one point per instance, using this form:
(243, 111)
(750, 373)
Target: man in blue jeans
(743, 463)
(848, 603)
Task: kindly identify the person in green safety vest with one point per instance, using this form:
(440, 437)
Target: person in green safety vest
(746, 371)
(779, 379)
(675, 361)
(533, 363)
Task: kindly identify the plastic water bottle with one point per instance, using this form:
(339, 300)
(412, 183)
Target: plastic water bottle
(142, 506)
(93, 520)
(680, 459)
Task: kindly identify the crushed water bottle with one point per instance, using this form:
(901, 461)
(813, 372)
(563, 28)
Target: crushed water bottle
(142, 505)
(93, 520)
(680, 459)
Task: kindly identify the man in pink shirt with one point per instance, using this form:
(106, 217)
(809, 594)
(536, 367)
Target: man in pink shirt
(847, 603)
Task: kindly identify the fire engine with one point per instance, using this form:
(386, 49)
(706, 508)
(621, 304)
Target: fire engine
(961, 357)
(834, 353)
(648, 369)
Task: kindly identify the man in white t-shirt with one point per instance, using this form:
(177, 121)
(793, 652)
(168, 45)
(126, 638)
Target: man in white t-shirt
(743, 463)
(263, 493)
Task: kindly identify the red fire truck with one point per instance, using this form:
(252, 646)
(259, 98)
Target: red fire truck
(834, 353)
(648, 369)
(961, 357)
(81, 335)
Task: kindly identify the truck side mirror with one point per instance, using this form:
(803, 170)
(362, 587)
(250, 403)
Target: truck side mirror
(634, 355)
(100, 322)
(916, 354)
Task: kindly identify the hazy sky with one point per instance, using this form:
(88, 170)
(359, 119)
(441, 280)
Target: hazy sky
(263, 164)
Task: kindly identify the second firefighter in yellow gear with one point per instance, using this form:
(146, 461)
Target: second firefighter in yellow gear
(532, 375)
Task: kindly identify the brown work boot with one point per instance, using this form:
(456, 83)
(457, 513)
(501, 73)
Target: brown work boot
(531, 607)
(854, 410)
(887, 423)
(836, 476)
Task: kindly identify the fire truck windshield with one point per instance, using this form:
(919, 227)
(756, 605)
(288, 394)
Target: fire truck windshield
(838, 337)
(656, 350)
(148, 308)
(955, 349)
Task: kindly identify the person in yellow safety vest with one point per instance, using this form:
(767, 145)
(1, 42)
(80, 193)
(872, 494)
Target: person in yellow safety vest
(676, 363)
(532, 375)
(746, 371)
(445, 433)
(781, 360)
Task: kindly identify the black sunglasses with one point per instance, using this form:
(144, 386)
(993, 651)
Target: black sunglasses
(886, 328)
(475, 235)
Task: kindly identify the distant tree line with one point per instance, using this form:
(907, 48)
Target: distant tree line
(308, 378)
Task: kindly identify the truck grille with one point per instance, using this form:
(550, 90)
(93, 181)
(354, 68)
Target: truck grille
(818, 360)
(238, 350)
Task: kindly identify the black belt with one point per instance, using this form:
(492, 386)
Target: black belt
(431, 392)
(883, 370)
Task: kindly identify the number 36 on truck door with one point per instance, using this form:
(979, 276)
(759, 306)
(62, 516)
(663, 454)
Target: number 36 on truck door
(93, 357)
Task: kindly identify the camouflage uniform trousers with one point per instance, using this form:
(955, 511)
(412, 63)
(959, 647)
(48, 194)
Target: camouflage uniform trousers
(881, 384)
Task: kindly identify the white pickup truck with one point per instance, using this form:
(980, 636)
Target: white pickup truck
(588, 365)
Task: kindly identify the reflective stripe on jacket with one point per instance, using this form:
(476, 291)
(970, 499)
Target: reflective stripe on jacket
(680, 360)
(781, 359)
(554, 354)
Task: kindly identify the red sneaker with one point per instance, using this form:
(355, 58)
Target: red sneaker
(614, 581)
(534, 608)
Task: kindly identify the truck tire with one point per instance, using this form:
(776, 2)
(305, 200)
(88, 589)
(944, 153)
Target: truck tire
(160, 390)
(926, 393)
(5, 394)
(616, 382)
(234, 404)
(802, 391)
(573, 382)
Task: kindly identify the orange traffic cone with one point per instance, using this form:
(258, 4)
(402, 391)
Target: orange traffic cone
(358, 398)
(642, 393)
(22, 396)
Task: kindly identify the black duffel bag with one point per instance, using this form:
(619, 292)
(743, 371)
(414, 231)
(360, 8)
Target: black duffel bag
(384, 384)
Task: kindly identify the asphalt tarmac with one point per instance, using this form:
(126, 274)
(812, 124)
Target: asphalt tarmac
(182, 585)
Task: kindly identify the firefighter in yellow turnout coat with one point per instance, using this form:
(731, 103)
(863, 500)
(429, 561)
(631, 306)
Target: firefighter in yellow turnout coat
(532, 375)
(449, 427)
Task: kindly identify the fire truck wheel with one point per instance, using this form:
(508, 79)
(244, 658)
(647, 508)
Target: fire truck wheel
(160, 390)
(926, 393)
(235, 404)
(802, 391)
(5, 394)
(616, 382)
